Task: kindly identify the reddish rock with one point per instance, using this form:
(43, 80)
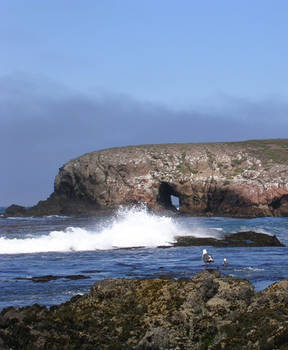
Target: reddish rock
(244, 179)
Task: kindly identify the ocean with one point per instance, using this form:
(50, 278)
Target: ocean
(77, 252)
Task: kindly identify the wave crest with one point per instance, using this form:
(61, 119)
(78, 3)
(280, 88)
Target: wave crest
(134, 227)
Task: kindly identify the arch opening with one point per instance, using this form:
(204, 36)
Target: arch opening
(175, 201)
(168, 197)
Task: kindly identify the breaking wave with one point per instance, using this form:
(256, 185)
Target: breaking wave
(134, 227)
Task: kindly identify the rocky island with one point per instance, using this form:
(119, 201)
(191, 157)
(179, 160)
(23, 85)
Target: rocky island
(207, 312)
(241, 179)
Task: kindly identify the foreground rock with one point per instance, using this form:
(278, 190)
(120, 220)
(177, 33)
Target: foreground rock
(239, 239)
(206, 312)
(243, 179)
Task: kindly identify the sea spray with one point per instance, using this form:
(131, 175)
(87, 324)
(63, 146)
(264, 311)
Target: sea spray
(133, 227)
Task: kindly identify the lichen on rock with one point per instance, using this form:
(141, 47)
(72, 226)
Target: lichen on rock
(205, 312)
(243, 179)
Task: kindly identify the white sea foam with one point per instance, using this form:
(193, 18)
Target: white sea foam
(135, 227)
(56, 217)
(129, 228)
(36, 218)
(18, 218)
(220, 229)
(249, 268)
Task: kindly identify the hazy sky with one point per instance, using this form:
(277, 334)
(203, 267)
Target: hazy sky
(77, 76)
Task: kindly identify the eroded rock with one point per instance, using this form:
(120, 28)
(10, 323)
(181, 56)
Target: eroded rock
(239, 239)
(204, 312)
(243, 179)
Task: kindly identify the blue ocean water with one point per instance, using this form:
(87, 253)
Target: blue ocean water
(124, 245)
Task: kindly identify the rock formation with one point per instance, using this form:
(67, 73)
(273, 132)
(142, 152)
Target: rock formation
(243, 179)
(205, 312)
(239, 239)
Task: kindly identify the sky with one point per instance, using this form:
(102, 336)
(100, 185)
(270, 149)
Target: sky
(79, 76)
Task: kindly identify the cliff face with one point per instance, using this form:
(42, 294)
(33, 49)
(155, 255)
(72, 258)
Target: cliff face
(233, 179)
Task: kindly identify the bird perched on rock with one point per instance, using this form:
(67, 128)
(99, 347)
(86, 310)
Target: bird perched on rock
(207, 258)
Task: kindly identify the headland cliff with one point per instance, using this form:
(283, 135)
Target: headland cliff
(241, 179)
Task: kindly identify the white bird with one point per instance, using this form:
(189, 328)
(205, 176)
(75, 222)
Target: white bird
(225, 262)
(207, 258)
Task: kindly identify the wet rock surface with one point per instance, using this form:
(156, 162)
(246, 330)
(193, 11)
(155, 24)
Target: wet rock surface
(48, 278)
(239, 239)
(240, 179)
(205, 312)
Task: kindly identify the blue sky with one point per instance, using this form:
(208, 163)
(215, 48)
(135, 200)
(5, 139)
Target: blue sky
(77, 76)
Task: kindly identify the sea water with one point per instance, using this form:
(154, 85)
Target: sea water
(80, 251)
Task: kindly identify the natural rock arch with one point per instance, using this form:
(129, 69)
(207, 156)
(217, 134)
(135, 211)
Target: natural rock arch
(166, 190)
(245, 179)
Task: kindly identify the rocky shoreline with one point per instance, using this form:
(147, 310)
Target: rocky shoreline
(208, 311)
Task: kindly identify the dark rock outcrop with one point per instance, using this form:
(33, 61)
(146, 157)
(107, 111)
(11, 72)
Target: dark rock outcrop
(243, 179)
(16, 210)
(205, 312)
(48, 278)
(239, 239)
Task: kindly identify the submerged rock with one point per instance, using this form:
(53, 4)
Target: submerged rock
(240, 239)
(204, 312)
(241, 179)
(48, 278)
